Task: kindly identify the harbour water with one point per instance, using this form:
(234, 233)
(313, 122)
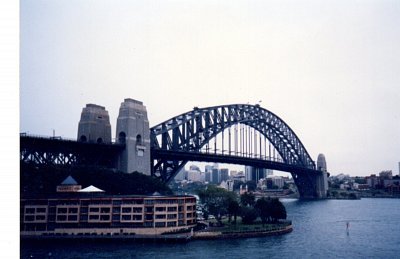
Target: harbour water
(319, 231)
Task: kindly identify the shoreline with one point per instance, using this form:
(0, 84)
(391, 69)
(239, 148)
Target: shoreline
(211, 235)
(175, 238)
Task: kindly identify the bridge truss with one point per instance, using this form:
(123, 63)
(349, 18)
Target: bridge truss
(240, 133)
(61, 152)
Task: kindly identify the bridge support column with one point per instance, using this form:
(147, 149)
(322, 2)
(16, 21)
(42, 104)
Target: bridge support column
(311, 186)
(133, 131)
(322, 184)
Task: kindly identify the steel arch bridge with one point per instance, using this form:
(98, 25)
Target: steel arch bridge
(186, 137)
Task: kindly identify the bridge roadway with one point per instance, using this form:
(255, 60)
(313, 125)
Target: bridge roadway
(229, 159)
(58, 151)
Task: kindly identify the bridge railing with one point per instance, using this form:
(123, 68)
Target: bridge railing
(240, 154)
(24, 134)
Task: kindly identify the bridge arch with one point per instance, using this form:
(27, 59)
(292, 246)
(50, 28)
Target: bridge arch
(190, 131)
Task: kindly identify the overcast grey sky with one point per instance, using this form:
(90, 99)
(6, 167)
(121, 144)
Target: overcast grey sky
(329, 69)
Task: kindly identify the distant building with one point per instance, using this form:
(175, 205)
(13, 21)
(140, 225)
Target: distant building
(224, 174)
(207, 176)
(215, 176)
(386, 174)
(254, 173)
(208, 168)
(243, 189)
(358, 186)
(275, 180)
(181, 175)
(195, 175)
(373, 181)
(239, 176)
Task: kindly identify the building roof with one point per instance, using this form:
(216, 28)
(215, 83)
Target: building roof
(69, 181)
(91, 188)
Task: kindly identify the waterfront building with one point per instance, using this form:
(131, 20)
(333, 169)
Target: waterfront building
(96, 213)
(274, 180)
(373, 181)
(389, 182)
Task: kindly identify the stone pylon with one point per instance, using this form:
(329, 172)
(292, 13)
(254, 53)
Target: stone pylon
(94, 125)
(133, 131)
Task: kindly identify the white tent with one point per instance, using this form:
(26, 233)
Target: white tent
(91, 188)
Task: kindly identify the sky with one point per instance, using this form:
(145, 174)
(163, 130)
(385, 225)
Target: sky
(329, 69)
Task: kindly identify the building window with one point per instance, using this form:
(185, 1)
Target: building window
(139, 139)
(171, 216)
(122, 137)
(161, 216)
(93, 217)
(61, 210)
(171, 224)
(160, 224)
(126, 218)
(126, 209)
(29, 218)
(30, 211)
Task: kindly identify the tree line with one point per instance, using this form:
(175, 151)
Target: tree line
(220, 202)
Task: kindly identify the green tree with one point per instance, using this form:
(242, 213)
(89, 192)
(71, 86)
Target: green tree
(263, 207)
(249, 215)
(247, 199)
(216, 200)
(278, 210)
(233, 210)
(42, 180)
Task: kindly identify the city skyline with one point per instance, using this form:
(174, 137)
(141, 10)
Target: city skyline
(329, 70)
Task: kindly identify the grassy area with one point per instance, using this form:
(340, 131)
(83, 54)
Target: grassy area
(255, 227)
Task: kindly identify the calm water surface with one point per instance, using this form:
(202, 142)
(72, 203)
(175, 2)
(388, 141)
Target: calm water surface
(319, 232)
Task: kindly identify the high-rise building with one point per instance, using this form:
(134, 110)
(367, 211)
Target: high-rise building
(208, 168)
(215, 176)
(223, 174)
(194, 174)
(207, 176)
(254, 173)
